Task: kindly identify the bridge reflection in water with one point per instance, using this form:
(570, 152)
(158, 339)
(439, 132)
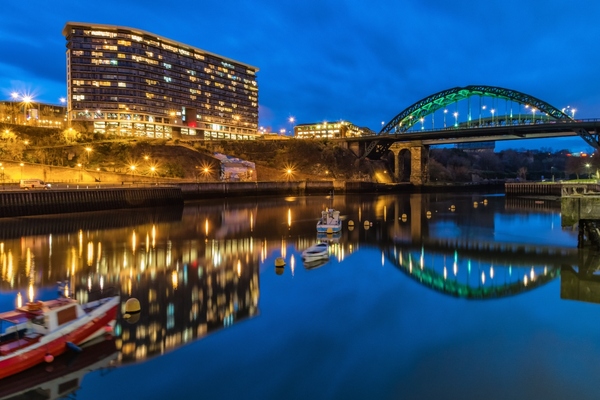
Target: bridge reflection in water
(196, 270)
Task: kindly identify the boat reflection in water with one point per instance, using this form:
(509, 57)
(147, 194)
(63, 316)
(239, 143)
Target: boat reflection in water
(315, 263)
(64, 376)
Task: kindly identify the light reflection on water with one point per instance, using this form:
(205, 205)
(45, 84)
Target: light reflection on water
(206, 267)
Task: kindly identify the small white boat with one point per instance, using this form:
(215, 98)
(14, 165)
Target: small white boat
(319, 250)
(330, 221)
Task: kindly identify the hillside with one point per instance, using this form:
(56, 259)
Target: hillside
(187, 159)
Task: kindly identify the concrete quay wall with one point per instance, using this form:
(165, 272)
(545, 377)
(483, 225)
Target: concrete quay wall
(203, 190)
(39, 202)
(550, 189)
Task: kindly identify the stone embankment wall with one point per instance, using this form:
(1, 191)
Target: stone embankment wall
(38, 202)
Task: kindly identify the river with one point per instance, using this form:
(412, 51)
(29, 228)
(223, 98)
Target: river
(456, 296)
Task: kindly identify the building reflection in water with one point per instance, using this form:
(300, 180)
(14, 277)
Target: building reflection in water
(196, 270)
(189, 276)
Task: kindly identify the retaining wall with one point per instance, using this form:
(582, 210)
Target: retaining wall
(38, 202)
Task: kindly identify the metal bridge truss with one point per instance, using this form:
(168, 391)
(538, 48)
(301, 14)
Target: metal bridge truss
(413, 114)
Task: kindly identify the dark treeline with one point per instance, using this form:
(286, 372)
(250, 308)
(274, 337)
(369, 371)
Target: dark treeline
(457, 165)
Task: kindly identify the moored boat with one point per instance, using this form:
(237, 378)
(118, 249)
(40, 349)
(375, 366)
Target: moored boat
(330, 221)
(41, 330)
(319, 250)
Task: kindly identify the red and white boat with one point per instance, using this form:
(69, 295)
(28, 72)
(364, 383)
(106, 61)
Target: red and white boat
(42, 330)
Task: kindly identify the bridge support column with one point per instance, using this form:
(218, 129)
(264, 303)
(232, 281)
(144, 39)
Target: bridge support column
(419, 161)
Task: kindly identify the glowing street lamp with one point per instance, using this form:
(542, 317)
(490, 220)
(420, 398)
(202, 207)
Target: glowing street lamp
(291, 120)
(88, 150)
(445, 112)
(422, 122)
(21, 165)
(153, 171)
(587, 166)
(493, 111)
(573, 113)
(456, 119)
(26, 103)
(533, 110)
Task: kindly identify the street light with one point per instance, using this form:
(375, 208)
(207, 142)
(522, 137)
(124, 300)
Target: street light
(132, 168)
(455, 118)
(588, 169)
(80, 172)
(445, 112)
(493, 111)
(291, 120)
(21, 165)
(26, 102)
(88, 150)
(153, 171)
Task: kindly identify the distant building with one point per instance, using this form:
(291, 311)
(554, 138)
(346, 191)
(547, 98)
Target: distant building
(33, 113)
(322, 130)
(235, 169)
(129, 82)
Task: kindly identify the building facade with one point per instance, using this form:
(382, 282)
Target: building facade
(128, 82)
(33, 113)
(324, 130)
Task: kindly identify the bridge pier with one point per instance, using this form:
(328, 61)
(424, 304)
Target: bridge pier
(419, 160)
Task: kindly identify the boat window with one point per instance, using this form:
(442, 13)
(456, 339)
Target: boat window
(66, 315)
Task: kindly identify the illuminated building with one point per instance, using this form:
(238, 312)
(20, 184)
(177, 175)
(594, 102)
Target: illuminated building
(322, 130)
(33, 113)
(129, 82)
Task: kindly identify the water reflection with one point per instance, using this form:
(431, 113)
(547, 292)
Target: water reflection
(582, 282)
(63, 377)
(196, 270)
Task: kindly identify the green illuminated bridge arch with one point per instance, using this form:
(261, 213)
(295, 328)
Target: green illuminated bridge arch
(435, 280)
(414, 113)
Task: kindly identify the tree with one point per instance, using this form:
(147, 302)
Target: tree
(10, 146)
(70, 136)
(574, 165)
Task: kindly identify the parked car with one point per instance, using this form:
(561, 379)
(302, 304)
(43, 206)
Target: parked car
(33, 184)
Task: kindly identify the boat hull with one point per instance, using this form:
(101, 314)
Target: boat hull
(55, 344)
(329, 228)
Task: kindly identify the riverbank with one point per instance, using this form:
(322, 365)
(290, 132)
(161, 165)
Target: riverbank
(80, 198)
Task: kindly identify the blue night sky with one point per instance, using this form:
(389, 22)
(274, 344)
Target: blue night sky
(362, 61)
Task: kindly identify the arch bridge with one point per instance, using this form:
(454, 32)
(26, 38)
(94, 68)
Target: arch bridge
(474, 113)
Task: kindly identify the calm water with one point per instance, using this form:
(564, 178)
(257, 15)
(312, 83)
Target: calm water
(429, 296)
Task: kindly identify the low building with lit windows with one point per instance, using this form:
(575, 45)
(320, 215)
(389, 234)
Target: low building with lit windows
(33, 113)
(323, 130)
(128, 82)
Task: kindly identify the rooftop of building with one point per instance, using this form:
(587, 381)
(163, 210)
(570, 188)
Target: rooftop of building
(106, 27)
